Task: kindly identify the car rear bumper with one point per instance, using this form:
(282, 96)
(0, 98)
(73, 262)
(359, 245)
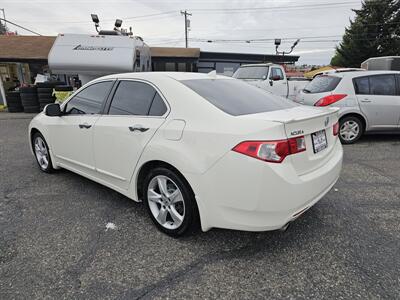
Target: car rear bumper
(244, 193)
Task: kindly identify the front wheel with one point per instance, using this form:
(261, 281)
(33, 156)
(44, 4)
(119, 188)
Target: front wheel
(42, 153)
(170, 202)
(351, 129)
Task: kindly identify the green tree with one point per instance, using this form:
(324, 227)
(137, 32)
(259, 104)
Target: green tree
(375, 31)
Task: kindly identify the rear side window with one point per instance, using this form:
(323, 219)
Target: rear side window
(236, 97)
(375, 85)
(90, 100)
(361, 85)
(322, 84)
(382, 85)
(136, 98)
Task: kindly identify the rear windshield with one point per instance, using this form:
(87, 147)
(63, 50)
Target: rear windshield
(322, 84)
(236, 97)
(259, 72)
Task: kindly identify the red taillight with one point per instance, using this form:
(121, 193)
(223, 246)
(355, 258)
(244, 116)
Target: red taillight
(272, 151)
(336, 129)
(327, 100)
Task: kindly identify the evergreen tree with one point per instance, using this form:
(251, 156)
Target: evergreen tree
(375, 31)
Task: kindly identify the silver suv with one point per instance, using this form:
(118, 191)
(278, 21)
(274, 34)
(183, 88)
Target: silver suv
(368, 100)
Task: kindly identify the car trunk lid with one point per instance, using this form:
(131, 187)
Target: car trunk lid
(315, 124)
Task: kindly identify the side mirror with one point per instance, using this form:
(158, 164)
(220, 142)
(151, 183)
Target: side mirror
(52, 110)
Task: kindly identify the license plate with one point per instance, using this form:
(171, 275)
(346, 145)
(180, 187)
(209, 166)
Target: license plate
(319, 141)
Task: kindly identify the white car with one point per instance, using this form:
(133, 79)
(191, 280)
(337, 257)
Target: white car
(197, 149)
(368, 100)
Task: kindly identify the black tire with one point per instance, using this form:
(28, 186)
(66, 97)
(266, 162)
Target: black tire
(32, 109)
(63, 88)
(15, 109)
(28, 90)
(46, 100)
(13, 95)
(191, 220)
(43, 90)
(49, 84)
(49, 168)
(350, 120)
(45, 96)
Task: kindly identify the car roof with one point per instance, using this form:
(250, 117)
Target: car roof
(259, 65)
(160, 75)
(353, 74)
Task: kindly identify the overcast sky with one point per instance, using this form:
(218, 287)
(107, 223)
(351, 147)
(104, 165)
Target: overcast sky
(319, 24)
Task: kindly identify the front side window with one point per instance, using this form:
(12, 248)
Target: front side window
(251, 72)
(136, 98)
(276, 74)
(90, 100)
(382, 85)
(236, 97)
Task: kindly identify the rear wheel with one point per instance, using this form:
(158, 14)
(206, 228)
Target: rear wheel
(351, 129)
(170, 202)
(42, 153)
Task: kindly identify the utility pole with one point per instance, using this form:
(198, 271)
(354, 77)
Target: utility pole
(4, 17)
(186, 14)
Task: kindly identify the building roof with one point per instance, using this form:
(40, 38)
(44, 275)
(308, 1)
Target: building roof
(24, 47)
(175, 52)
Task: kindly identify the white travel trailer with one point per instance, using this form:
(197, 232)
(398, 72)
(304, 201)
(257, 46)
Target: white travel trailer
(92, 56)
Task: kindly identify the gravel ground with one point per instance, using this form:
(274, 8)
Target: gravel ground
(54, 243)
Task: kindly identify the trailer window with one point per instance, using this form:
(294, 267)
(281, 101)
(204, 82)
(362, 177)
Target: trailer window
(236, 97)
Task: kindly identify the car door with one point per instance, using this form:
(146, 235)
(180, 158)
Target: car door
(378, 100)
(72, 134)
(277, 82)
(135, 113)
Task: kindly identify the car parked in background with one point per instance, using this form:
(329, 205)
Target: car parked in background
(197, 149)
(368, 100)
(271, 78)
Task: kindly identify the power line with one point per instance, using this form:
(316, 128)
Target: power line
(19, 26)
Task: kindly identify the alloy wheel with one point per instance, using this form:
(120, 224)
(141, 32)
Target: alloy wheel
(41, 152)
(166, 202)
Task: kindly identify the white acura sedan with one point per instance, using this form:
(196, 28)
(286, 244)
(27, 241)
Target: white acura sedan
(198, 150)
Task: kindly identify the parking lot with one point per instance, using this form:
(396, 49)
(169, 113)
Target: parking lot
(54, 242)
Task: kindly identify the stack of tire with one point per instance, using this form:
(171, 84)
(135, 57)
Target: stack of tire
(14, 103)
(29, 99)
(45, 93)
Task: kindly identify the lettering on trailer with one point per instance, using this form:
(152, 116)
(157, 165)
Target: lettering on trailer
(93, 48)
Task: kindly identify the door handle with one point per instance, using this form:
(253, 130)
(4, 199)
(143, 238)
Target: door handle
(366, 100)
(84, 125)
(139, 128)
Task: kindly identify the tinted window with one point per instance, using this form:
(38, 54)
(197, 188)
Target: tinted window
(251, 72)
(276, 72)
(158, 107)
(236, 97)
(361, 85)
(382, 85)
(89, 100)
(322, 84)
(132, 98)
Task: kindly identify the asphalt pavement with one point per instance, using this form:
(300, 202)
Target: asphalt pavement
(54, 242)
